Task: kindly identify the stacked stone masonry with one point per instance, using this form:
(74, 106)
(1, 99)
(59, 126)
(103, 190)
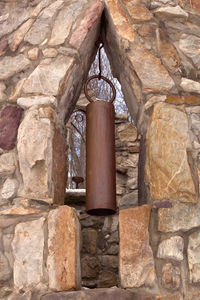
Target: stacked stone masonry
(46, 49)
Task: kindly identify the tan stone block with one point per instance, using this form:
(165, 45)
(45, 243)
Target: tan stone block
(193, 100)
(33, 53)
(120, 20)
(136, 257)
(142, 61)
(167, 169)
(16, 210)
(63, 262)
(138, 10)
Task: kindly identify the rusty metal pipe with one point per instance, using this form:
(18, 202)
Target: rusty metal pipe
(100, 159)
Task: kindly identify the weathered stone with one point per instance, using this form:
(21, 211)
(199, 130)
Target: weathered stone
(100, 294)
(92, 17)
(171, 277)
(41, 28)
(9, 189)
(153, 100)
(28, 247)
(17, 296)
(17, 90)
(50, 52)
(2, 94)
(33, 53)
(127, 132)
(138, 10)
(3, 46)
(129, 200)
(189, 44)
(63, 260)
(167, 169)
(194, 257)
(89, 267)
(35, 152)
(171, 12)
(89, 240)
(49, 76)
(16, 16)
(171, 248)
(190, 86)
(136, 257)
(110, 261)
(111, 224)
(193, 100)
(10, 118)
(155, 81)
(120, 20)
(7, 164)
(19, 35)
(196, 5)
(5, 291)
(59, 168)
(6, 271)
(107, 279)
(20, 211)
(181, 216)
(9, 65)
(36, 100)
(63, 23)
(113, 249)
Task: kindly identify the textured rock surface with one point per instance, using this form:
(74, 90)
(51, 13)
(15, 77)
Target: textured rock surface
(7, 164)
(10, 118)
(19, 35)
(63, 262)
(189, 44)
(167, 169)
(171, 248)
(9, 65)
(36, 100)
(194, 257)
(180, 217)
(171, 277)
(136, 257)
(28, 247)
(41, 27)
(9, 189)
(6, 271)
(35, 153)
(190, 85)
(155, 81)
(48, 77)
(98, 294)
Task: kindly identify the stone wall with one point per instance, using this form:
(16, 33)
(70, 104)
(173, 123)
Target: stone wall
(46, 48)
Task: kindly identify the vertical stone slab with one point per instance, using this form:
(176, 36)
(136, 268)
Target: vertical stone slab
(63, 260)
(28, 248)
(35, 154)
(59, 168)
(169, 169)
(136, 257)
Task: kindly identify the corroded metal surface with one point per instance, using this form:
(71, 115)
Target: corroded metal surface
(100, 159)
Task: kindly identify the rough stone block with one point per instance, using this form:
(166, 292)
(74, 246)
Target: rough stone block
(171, 277)
(9, 122)
(136, 257)
(28, 251)
(179, 217)
(167, 168)
(194, 257)
(7, 163)
(63, 262)
(171, 248)
(9, 65)
(49, 75)
(35, 154)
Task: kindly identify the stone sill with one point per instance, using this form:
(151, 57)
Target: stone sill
(75, 196)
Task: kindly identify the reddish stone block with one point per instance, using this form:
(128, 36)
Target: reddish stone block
(10, 118)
